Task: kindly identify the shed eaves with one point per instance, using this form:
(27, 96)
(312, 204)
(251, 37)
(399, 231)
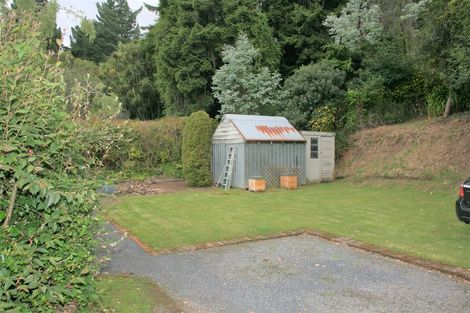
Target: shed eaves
(264, 128)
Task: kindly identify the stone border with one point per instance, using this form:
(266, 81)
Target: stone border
(455, 272)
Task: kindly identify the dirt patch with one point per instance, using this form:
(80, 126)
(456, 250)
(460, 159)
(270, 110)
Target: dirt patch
(153, 185)
(422, 149)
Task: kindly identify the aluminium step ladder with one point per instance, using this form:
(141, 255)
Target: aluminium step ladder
(225, 180)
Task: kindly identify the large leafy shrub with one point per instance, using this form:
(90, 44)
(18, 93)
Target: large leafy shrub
(196, 150)
(47, 205)
(311, 87)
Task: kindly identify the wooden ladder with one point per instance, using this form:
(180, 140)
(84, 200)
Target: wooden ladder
(225, 180)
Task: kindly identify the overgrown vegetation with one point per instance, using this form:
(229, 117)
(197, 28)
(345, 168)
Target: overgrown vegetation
(196, 150)
(154, 148)
(337, 65)
(46, 202)
(366, 62)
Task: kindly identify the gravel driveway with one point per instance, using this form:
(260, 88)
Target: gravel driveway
(293, 274)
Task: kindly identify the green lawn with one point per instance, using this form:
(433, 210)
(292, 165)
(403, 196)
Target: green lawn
(399, 217)
(127, 294)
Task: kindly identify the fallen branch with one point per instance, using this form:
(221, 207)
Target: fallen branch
(11, 205)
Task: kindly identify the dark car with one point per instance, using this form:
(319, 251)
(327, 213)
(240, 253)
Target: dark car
(462, 206)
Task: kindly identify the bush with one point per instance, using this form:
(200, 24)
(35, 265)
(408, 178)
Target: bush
(196, 150)
(47, 204)
(323, 119)
(310, 87)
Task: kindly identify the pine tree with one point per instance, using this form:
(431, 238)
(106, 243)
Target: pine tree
(115, 23)
(297, 27)
(188, 39)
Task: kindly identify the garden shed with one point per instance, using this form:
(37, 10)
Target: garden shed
(320, 156)
(263, 146)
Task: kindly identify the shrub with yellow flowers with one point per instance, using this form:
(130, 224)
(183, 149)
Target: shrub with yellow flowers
(323, 119)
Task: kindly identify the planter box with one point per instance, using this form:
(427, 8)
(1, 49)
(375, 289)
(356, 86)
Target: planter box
(289, 181)
(257, 184)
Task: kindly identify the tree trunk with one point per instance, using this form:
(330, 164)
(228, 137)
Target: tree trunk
(448, 105)
(11, 206)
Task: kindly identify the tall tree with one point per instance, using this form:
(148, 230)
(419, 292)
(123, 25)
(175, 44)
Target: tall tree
(115, 23)
(358, 23)
(244, 87)
(189, 37)
(129, 72)
(445, 46)
(297, 27)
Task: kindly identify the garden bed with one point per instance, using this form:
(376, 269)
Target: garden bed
(153, 186)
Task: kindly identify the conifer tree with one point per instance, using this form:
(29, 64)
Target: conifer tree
(115, 23)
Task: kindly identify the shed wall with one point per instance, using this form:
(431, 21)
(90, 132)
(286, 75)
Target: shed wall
(327, 158)
(219, 157)
(322, 168)
(226, 132)
(262, 155)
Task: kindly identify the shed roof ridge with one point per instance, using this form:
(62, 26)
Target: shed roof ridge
(264, 128)
(253, 117)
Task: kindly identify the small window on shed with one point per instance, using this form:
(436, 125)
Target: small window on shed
(313, 148)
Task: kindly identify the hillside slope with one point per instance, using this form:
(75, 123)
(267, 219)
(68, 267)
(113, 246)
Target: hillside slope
(427, 149)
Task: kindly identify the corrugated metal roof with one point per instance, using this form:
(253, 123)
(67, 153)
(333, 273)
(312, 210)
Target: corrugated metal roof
(264, 128)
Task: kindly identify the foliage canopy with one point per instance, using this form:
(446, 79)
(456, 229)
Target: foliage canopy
(189, 37)
(242, 86)
(115, 23)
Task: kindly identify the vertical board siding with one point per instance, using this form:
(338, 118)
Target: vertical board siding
(260, 156)
(327, 158)
(219, 158)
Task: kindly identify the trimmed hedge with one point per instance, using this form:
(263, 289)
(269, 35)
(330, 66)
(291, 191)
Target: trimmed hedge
(148, 146)
(196, 150)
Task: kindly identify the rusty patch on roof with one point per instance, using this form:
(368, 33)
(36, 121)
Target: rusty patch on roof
(273, 131)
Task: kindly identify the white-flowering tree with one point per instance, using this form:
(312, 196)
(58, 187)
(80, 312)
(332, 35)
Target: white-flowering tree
(242, 86)
(357, 23)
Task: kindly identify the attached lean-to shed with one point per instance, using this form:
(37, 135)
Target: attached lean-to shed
(320, 156)
(264, 146)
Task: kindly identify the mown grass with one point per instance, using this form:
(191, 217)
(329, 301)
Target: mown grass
(125, 294)
(399, 217)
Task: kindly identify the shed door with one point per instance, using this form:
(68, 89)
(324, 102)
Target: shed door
(327, 157)
(312, 160)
